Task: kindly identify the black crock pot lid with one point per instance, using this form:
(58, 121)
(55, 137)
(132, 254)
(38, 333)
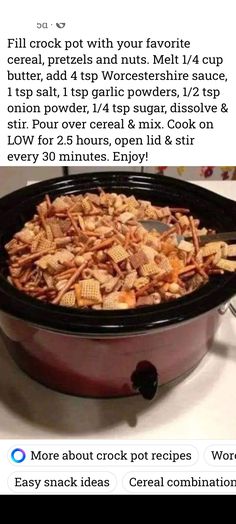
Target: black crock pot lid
(95, 323)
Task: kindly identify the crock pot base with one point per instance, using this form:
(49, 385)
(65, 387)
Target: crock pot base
(77, 386)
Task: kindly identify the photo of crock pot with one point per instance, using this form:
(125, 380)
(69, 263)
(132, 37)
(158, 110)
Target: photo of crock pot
(105, 354)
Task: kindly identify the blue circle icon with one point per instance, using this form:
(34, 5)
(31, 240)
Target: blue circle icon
(18, 455)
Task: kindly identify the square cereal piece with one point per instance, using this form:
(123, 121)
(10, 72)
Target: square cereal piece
(44, 243)
(110, 301)
(184, 221)
(117, 253)
(227, 265)
(138, 259)
(90, 290)
(210, 248)
(49, 234)
(130, 280)
(68, 299)
(83, 302)
(186, 246)
(163, 212)
(231, 250)
(56, 230)
(165, 265)
(149, 269)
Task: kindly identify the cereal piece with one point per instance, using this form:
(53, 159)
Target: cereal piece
(95, 199)
(125, 217)
(156, 298)
(184, 221)
(141, 282)
(56, 230)
(121, 305)
(149, 269)
(231, 250)
(43, 262)
(130, 279)
(153, 242)
(149, 252)
(118, 253)
(224, 250)
(227, 265)
(97, 306)
(90, 290)
(210, 248)
(174, 287)
(86, 206)
(48, 279)
(145, 301)
(170, 296)
(131, 201)
(104, 230)
(49, 234)
(163, 212)
(127, 297)
(110, 284)
(42, 208)
(217, 257)
(101, 275)
(138, 259)
(60, 204)
(44, 243)
(64, 256)
(79, 260)
(164, 264)
(68, 299)
(26, 236)
(65, 225)
(63, 241)
(110, 301)
(186, 246)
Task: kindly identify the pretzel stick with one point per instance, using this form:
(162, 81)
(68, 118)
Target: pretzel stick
(47, 198)
(127, 239)
(103, 244)
(188, 274)
(17, 283)
(31, 258)
(92, 234)
(117, 269)
(64, 274)
(41, 216)
(143, 289)
(71, 281)
(23, 279)
(75, 226)
(194, 234)
(166, 234)
(182, 210)
(186, 269)
(18, 249)
(199, 268)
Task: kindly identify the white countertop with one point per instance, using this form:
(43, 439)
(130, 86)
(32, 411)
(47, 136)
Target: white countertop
(202, 405)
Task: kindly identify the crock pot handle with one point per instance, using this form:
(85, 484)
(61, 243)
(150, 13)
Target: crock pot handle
(145, 379)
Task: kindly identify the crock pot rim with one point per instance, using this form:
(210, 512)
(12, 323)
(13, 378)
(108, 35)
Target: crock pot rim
(143, 319)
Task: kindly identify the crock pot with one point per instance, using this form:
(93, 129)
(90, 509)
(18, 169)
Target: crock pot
(112, 353)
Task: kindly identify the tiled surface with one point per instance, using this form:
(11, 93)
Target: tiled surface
(12, 178)
(90, 169)
(196, 172)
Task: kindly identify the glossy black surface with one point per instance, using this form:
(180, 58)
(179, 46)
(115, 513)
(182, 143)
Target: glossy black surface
(213, 210)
